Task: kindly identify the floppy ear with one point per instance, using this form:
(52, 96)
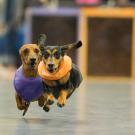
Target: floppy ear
(41, 42)
(21, 49)
(65, 48)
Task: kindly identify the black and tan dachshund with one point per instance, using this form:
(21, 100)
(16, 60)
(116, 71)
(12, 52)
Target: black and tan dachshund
(60, 76)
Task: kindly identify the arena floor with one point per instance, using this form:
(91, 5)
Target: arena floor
(97, 108)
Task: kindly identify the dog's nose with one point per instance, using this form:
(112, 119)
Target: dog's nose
(50, 65)
(32, 60)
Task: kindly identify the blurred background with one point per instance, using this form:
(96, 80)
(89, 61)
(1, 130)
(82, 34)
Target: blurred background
(108, 38)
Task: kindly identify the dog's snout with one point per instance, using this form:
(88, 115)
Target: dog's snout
(32, 59)
(50, 65)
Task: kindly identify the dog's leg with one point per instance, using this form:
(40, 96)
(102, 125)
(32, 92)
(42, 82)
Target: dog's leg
(50, 98)
(19, 102)
(26, 108)
(46, 106)
(41, 101)
(62, 98)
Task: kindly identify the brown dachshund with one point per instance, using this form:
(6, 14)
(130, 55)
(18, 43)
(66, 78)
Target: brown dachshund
(27, 83)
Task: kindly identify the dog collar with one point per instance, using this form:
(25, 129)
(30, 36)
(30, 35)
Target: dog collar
(65, 67)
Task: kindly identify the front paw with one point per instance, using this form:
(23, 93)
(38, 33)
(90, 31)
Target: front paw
(50, 102)
(61, 102)
(46, 108)
(41, 101)
(50, 99)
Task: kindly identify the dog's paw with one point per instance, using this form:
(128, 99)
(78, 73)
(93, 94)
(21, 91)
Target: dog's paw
(41, 101)
(61, 102)
(40, 104)
(50, 102)
(21, 107)
(60, 105)
(46, 108)
(50, 99)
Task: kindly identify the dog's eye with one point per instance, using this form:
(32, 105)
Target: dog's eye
(46, 55)
(26, 51)
(36, 51)
(56, 55)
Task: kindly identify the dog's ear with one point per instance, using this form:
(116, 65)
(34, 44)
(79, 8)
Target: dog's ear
(41, 42)
(21, 50)
(65, 48)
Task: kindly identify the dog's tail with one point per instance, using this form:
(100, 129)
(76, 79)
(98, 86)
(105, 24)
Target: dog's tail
(72, 46)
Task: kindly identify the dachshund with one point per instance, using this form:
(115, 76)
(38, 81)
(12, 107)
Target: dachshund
(27, 83)
(60, 76)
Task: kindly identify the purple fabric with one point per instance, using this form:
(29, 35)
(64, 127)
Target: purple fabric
(28, 88)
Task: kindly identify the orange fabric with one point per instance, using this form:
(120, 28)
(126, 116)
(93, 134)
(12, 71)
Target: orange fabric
(65, 67)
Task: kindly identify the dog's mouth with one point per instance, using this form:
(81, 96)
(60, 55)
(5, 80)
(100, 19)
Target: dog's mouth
(52, 70)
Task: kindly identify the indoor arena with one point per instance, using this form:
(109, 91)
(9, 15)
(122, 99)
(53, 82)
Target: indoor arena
(86, 49)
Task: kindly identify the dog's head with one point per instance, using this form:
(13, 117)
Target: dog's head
(30, 55)
(53, 55)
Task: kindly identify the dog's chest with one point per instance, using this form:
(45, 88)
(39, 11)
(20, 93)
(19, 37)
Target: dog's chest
(28, 88)
(61, 81)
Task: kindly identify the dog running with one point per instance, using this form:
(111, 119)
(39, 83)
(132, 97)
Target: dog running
(27, 83)
(60, 76)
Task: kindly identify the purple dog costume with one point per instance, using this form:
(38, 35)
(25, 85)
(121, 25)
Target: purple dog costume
(29, 89)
